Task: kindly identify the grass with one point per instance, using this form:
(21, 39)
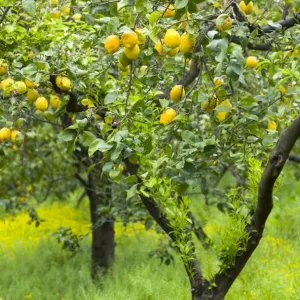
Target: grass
(34, 267)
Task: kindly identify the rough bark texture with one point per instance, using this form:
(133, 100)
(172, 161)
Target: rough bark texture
(103, 235)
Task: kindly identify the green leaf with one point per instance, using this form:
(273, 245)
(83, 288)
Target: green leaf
(67, 135)
(181, 4)
(29, 7)
(98, 145)
(110, 98)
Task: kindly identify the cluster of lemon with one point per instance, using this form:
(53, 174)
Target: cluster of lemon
(6, 134)
(56, 13)
(9, 86)
(173, 42)
(131, 41)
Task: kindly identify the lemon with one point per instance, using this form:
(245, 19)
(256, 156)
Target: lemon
(64, 83)
(87, 102)
(121, 167)
(129, 39)
(187, 43)
(112, 43)
(247, 9)
(20, 87)
(140, 35)
(184, 23)
(223, 22)
(30, 84)
(132, 53)
(66, 10)
(3, 68)
(282, 89)
(55, 102)
(7, 85)
(29, 188)
(41, 104)
(251, 62)
(14, 134)
(159, 47)
(4, 134)
(54, 2)
(272, 125)
(173, 52)
(32, 95)
(209, 104)
(76, 17)
(55, 14)
(121, 67)
(124, 60)
(167, 116)
(218, 81)
(221, 115)
(177, 93)
(172, 38)
(169, 11)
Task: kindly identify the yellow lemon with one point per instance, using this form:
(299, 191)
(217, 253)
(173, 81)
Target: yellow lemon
(187, 43)
(55, 14)
(4, 134)
(64, 83)
(272, 125)
(223, 22)
(172, 38)
(159, 47)
(87, 102)
(55, 102)
(173, 52)
(209, 104)
(132, 53)
(41, 104)
(247, 9)
(76, 17)
(66, 10)
(218, 81)
(251, 62)
(141, 36)
(20, 87)
(177, 93)
(167, 116)
(129, 39)
(14, 134)
(169, 11)
(221, 115)
(7, 85)
(3, 68)
(112, 43)
(32, 95)
(30, 84)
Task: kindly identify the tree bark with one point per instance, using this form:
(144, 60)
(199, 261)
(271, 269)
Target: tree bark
(103, 234)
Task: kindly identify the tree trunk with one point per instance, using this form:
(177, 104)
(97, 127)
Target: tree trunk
(103, 234)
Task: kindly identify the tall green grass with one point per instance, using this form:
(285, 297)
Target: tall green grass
(38, 269)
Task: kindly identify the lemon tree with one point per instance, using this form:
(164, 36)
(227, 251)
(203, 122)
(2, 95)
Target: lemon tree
(176, 93)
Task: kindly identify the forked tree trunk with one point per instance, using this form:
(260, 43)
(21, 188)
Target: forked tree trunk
(103, 234)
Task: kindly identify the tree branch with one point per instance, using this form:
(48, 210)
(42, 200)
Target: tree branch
(81, 180)
(5, 12)
(294, 158)
(255, 230)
